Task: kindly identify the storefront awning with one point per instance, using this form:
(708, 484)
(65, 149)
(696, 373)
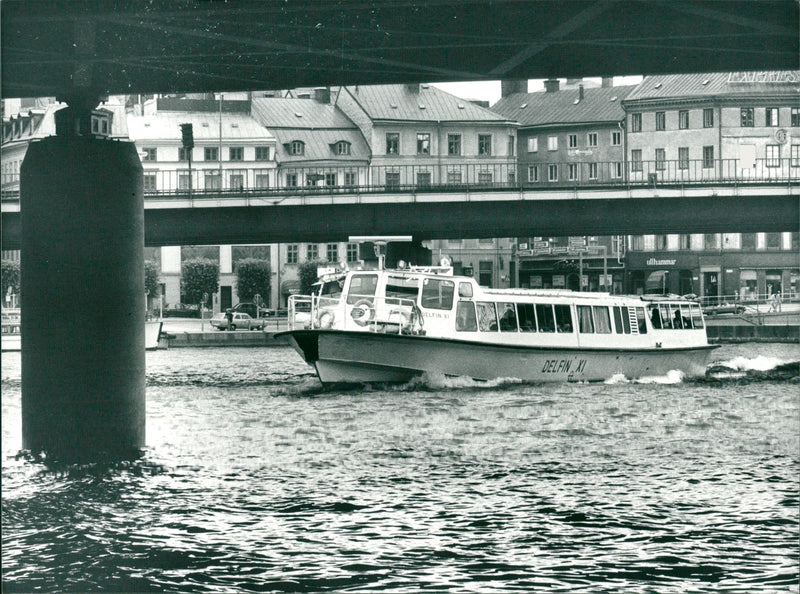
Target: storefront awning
(290, 287)
(656, 280)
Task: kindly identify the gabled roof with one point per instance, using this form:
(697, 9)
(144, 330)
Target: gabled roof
(599, 105)
(424, 104)
(277, 112)
(318, 145)
(205, 127)
(686, 86)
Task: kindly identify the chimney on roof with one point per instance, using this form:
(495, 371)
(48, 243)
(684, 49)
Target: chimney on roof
(580, 92)
(322, 95)
(413, 88)
(551, 85)
(512, 86)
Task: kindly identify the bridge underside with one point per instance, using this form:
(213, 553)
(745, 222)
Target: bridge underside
(458, 220)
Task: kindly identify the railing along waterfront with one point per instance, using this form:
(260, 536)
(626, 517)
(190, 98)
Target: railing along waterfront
(455, 177)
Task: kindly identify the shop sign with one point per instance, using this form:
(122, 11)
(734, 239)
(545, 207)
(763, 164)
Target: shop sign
(763, 76)
(536, 282)
(657, 262)
(558, 281)
(541, 245)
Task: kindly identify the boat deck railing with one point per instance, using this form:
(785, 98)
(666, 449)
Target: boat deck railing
(356, 312)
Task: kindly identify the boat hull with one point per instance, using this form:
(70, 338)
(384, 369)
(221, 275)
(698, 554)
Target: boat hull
(367, 357)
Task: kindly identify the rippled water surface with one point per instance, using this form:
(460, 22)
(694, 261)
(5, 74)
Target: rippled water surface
(255, 479)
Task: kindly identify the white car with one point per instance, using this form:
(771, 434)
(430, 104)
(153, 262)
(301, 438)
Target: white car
(239, 320)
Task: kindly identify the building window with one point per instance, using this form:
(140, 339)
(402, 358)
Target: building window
(312, 252)
(211, 153)
(533, 144)
(454, 144)
(636, 160)
(291, 180)
(392, 179)
(424, 178)
(484, 144)
(661, 242)
(533, 173)
(661, 159)
(552, 143)
(333, 252)
(212, 180)
(795, 155)
(636, 122)
(661, 120)
(591, 139)
(183, 180)
(748, 241)
(330, 179)
(795, 116)
(747, 117)
(511, 144)
(708, 157)
(454, 176)
(552, 173)
(149, 182)
(592, 170)
(149, 154)
(262, 153)
(292, 251)
(423, 143)
(616, 138)
(637, 243)
(683, 157)
(773, 155)
(236, 181)
(262, 180)
(572, 141)
(236, 153)
(350, 178)
(773, 241)
(683, 119)
(184, 154)
(297, 147)
(616, 170)
(573, 171)
(484, 177)
(685, 242)
(710, 241)
(342, 148)
(352, 252)
(393, 143)
(771, 116)
(708, 117)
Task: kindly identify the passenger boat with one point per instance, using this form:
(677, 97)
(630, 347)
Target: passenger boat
(392, 325)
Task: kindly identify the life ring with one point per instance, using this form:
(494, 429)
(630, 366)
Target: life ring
(401, 317)
(362, 312)
(325, 319)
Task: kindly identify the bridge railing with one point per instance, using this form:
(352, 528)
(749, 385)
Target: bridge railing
(456, 177)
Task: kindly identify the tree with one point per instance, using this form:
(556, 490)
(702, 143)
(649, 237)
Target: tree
(253, 277)
(151, 278)
(307, 271)
(199, 277)
(10, 277)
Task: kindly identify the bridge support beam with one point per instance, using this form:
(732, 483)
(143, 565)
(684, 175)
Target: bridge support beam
(83, 300)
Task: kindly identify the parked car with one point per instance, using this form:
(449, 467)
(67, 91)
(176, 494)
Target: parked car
(251, 309)
(240, 320)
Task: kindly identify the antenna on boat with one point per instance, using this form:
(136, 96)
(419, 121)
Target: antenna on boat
(380, 242)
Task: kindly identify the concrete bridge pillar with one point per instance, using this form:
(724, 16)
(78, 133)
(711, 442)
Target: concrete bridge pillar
(83, 300)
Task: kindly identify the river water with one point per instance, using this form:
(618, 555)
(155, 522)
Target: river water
(255, 479)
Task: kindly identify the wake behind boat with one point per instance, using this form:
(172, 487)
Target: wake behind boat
(392, 325)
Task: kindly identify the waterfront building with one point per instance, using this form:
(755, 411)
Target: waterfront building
(708, 127)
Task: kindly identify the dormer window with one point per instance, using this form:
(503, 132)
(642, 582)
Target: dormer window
(297, 147)
(341, 148)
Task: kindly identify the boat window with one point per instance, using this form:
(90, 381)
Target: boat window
(665, 319)
(686, 316)
(677, 320)
(563, 318)
(697, 316)
(402, 290)
(544, 312)
(602, 321)
(332, 288)
(465, 290)
(362, 286)
(465, 317)
(618, 320)
(641, 322)
(437, 293)
(655, 317)
(526, 317)
(585, 322)
(487, 316)
(626, 320)
(508, 317)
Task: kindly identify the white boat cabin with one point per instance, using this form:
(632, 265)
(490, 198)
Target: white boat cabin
(431, 302)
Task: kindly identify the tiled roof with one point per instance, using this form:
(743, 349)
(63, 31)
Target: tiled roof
(563, 107)
(276, 112)
(677, 86)
(205, 127)
(318, 145)
(428, 104)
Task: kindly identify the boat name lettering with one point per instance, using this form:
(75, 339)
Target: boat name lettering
(435, 314)
(564, 366)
